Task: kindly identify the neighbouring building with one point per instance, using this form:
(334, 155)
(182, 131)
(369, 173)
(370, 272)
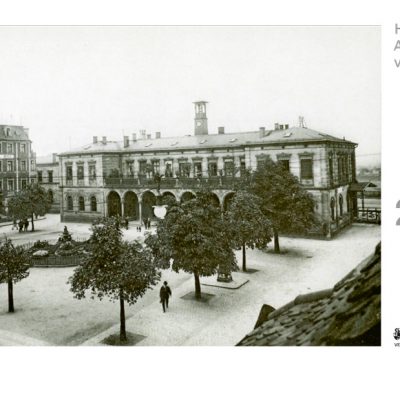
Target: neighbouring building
(107, 178)
(17, 160)
(47, 169)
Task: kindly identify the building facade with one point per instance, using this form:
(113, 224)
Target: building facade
(17, 160)
(108, 178)
(48, 169)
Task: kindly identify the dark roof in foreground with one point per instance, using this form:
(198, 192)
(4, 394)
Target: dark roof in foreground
(287, 136)
(347, 314)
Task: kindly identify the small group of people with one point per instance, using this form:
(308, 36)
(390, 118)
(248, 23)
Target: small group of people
(23, 225)
(139, 229)
(147, 223)
(165, 293)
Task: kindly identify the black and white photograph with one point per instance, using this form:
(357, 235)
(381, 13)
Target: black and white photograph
(190, 185)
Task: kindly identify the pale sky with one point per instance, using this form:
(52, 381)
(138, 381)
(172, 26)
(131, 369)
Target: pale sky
(67, 84)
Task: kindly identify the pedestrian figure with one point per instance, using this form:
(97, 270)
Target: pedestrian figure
(26, 225)
(20, 225)
(165, 292)
(126, 223)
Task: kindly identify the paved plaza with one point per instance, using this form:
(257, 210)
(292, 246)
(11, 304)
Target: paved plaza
(46, 311)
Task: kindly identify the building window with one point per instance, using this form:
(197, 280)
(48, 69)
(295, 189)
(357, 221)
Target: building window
(23, 165)
(50, 176)
(285, 164)
(23, 184)
(92, 172)
(93, 204)
(306, 169)
(156, 166)
(333, 208)
(330, 160)
(129, 168)
(81, 203)
(228, 167)
(80, 173)
(9, 148)
(23, 148)
(143, 167)
(340, 205)
(10, 185)
(40, 176)
(212, 168)
(69, 172)
(9, 166)
(184, 169)
(242, 165)
(197, 169)
(70, 203)
(168, 169)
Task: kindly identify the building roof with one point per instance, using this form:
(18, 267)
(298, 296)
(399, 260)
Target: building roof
(15, 132)
(290, 135)
(347, 314)
(49, 159)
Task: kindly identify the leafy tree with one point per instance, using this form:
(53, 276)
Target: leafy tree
(248, 225)
(116, 269)
(288, 206)
(34, 200)
(193, 236)
(14, 266)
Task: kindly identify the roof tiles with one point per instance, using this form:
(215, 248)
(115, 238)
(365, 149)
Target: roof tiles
(347, 314)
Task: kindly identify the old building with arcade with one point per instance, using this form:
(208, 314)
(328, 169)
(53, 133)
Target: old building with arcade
(107, 178)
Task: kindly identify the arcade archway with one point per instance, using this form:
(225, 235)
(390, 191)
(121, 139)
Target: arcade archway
(113, 204)
(131, 206)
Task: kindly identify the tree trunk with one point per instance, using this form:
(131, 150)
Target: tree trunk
(10, 296)
(244, 258)
(33, 226)
(197, 286)
(122, 331)
(276, 242)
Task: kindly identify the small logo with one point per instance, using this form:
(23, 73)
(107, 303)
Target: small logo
(396, 333)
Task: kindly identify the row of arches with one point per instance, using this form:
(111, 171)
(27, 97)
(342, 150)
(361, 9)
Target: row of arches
(129, 205)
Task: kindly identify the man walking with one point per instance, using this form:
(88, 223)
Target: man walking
(165, 292)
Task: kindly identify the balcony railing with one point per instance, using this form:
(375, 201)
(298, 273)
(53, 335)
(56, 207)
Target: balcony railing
(220, 182)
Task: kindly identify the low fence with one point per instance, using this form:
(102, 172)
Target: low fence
(56, 261)
(369, 215)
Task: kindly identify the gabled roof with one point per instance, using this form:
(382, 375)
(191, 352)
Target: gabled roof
(347, 314)
(290, 135)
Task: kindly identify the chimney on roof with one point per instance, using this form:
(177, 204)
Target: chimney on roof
(262, 131)
(302, 124)
(104, 141)
(126, 141)
(94, 139)
(158, 135)
(276, 126)
(134, 137)
(221, 130)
